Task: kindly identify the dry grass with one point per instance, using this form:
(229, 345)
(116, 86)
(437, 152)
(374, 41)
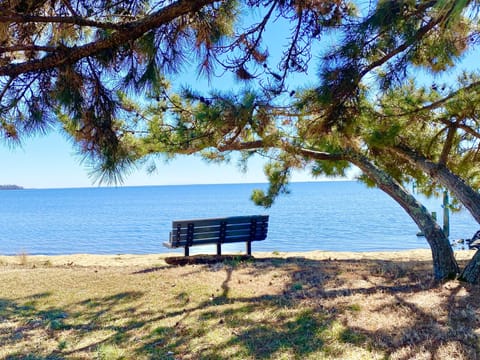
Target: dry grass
(22, 258)
(279, 306)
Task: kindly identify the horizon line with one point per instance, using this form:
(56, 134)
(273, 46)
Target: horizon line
(166, 185)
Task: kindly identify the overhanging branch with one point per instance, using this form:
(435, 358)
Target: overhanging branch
(131, 31)
(74, 20)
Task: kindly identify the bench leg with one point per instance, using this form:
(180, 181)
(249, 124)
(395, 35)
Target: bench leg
(249, 248)
(219, 249)
(187, 251)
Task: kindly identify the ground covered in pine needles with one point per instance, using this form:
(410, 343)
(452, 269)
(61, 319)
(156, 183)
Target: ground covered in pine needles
(313, 305)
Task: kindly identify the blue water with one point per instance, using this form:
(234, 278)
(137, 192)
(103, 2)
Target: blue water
(314, 216)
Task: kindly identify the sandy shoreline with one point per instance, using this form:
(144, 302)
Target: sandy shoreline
(158, 259)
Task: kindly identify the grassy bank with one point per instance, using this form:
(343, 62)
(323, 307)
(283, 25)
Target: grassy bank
(279, 306)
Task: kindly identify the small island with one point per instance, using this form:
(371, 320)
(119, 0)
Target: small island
(10, 187)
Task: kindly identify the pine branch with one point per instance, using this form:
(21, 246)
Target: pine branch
(74, 20)
(259, 29)
(15, 48)
(69, 7)
(240, 146)
(436, 104)
(130, 31)
(418, 36)
(290, 55)
(448, 143)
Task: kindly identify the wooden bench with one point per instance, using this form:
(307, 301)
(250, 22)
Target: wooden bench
(187, 233)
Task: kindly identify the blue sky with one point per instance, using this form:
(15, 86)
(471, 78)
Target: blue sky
(50, 161)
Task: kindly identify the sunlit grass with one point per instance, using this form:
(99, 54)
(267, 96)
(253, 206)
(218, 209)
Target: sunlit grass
(275, 308)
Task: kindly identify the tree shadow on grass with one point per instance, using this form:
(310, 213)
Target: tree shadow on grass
(26, 321)
(20, 319)
(302, 309)
(442, 331)
(312, 315)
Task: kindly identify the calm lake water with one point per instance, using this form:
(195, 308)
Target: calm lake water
(314, 216)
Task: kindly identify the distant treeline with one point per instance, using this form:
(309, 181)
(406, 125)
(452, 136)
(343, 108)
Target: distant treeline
(10, 187)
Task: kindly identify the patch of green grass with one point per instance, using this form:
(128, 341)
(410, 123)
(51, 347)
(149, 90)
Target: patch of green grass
(354, 307)
(351, 337)
(341, 334)
(235, 261)
(120, 337)
(276, 262)
(62, 345)
(297, 286)
(26, 309)
(280, 336)
(183, 298)
(110, 352)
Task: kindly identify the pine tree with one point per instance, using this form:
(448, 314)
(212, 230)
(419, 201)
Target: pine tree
(101, 70)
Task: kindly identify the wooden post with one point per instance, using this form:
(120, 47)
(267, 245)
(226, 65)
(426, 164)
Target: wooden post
(249, 248)
(186, 251)
(219, 249)
(446, 215)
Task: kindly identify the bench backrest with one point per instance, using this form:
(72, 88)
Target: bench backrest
(223, 230)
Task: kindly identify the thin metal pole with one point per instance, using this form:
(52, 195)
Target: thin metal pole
(446, 215)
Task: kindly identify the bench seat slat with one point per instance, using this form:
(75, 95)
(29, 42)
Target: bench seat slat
(234, 239)
(214, 236)
(198, 233)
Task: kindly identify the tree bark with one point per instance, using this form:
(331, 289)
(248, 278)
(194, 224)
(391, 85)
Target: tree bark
(471, 273)
(457, 186)
(444, 264)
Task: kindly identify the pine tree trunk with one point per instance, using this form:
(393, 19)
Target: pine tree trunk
(460, 189)
(455, 184)
(444, 264)
(471, 273)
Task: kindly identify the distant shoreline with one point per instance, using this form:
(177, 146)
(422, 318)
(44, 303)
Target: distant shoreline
(10, 187)
(176, 185)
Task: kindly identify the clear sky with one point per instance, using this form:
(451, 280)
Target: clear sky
(50, 161)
